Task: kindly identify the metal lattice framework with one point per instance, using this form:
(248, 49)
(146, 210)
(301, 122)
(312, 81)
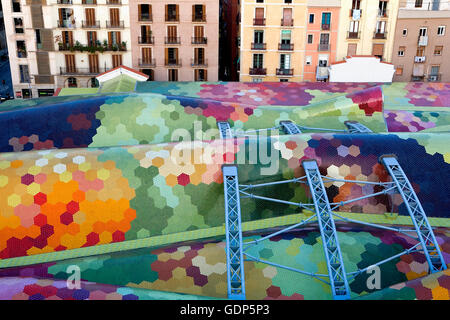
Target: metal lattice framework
(224, 130)
(333, 256)
(289, 127)
(325, 216)
(233, 231)
(415, 210)
(356, 127)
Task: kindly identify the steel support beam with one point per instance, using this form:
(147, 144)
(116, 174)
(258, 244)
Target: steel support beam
(289, 127)
(224, 130)
(233, 231)
(336, 270)
(356, 127)
(418, 216)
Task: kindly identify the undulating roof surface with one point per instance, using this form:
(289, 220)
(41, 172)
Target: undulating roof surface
(108, 185)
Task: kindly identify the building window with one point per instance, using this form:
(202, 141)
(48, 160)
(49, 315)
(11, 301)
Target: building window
(24, 74)
(257, 80)
(326, 20)
(438, 50)
(422, 32)
(399, 71)
(145, 12)
(16, 5)
(441, 30)
(72, 82)
(418, 4)
(308, 60)
(259, 1)
(150, 73)
(172, 12)
(434, 70)
(21, 49)
(401, 51)
(198, 13)
(310, 38)
(287, 1)
(311, 18)
(93, 83)
(258, 61)
(116, 60)
(173, 74)
(404, 32)
(18, 24)
(200, 75)
(284, 80)
(38, 39)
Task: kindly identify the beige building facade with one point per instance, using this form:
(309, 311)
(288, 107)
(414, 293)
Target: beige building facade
(367, 27)
(422, 42)
(272, 40)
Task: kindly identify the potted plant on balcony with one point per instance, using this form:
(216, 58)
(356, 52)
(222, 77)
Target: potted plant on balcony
(123, 46)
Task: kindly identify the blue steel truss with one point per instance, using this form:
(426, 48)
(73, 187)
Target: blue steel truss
(356, 127)
(233, 231)
(333, 256)
(289, 127)
(415, 210)
(224, 130)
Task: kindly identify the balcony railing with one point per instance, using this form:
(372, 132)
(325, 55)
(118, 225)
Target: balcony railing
(199, 40)
(259, 22)
(285, 72)
(21, 53)
(97, 47)
(81, 71)
(258, 46)
(145, 17)
(89, 2)
(353, 34)
(287, 22)
(286, 46)
(172, 40)
(434, 77)
(380, 35)
(419, 59)
(199, 18)
(64, 1)
(258, 71)
(172, 63)
(90, 24)
(351, 12)
(383, 13)
(323, 47)
(66, 24)
(146, 40)
(147, 63)
(113, 2)
(199, 62)
(172, 17)
(115, 24)
(325, 26)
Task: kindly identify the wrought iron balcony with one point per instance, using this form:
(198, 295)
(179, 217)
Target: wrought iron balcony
(258, 71)
(259, 22)
(258, 46)
(145, 17)
(286, 46)
(199, 17)
(199, 62)
(146, 40)
(199, 40)
(115, 24)
(113, 2)
(383, 13)
(172, 63)
(66, 24)
(172, 40)
(173, 17)
(147, 63)
(353, 34)
(287, 22)
(380, 35)
(64, 1)
(90, 24)
(81, 71)
(89, 2)
(323, 47)
(285, 72)
(326, 26)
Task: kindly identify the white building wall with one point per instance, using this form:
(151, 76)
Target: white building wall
(361, 69)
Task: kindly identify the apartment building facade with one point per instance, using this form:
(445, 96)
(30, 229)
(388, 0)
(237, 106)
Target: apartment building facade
(422, 42)
(272, 40)
(367, 27)
(175, 40)
(64, 43)
(321, 38)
